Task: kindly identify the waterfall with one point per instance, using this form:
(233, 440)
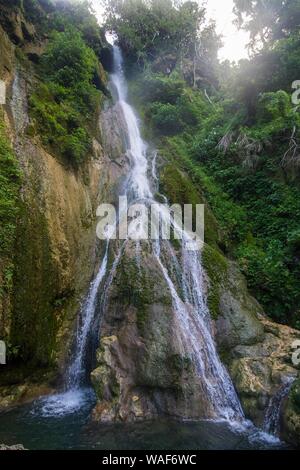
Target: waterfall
(77, 370)
(138, 185)
(193, 325)
(77, 394)
(272, 417)
(193, 330)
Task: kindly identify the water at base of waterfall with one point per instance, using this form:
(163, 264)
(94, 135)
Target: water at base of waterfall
(66, 403)
(26, 425)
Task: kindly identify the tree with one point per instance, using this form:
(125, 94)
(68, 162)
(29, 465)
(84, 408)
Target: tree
(147, 28)
(68, 60)
(267, 20)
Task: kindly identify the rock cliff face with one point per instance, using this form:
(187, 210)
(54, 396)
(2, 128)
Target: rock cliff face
(56, 235)
(56, 247)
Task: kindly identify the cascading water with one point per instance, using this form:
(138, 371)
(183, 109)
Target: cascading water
(138, 184)
(77, 370)
(272, 418)
(193, 328)
(77, 395)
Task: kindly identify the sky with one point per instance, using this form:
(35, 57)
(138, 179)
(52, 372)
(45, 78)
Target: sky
(235, 41)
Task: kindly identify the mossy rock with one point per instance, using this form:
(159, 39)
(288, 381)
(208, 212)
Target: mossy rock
(216, 267)
(229, 303)
(34, 325)
(135, 288)
(139, 286)
(104, 383)
(180, 189)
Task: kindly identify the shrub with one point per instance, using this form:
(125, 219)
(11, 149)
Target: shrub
(187, 110)
(9, 185)
(166, 118)
(64, 103)
(68, 60)
(157, 88)
(273, 105)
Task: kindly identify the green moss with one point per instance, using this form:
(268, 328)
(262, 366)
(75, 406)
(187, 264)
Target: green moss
(216, 267)
(25, 265)
(177, 187)
(179, 364)
(104, 381)
(39, 304)
(135, 288)
(34, 324)
(10, 181)
(65, 103)
(181, 185)
(179, 190)
(225, 356)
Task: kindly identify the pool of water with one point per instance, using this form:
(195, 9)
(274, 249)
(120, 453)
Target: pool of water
(62, 421)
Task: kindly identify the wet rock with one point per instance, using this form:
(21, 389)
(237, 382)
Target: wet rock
(114, 132)
(259, 371)
(257, 351)
(237, 322)
(11, 394)
(106, 57)
(26, 392)
(142, 372)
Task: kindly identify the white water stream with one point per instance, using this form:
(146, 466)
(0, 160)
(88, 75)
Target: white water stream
(193, 328)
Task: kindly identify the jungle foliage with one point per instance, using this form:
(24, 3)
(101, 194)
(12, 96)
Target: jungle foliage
(66, 99)
(71, 79)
